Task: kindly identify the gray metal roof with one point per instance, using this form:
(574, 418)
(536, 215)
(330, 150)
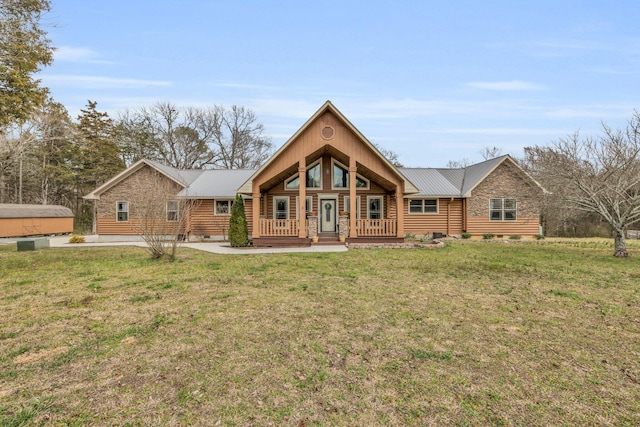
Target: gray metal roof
(34, 211)
(217, 183)
(450, 182)
(433, 182)
(475, 174)
(184, 176)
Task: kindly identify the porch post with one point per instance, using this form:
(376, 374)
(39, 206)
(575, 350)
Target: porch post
(302, 198)
(353, 214)
(400, 212)
(255, 201)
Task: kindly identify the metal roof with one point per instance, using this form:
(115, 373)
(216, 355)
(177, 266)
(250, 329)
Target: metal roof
(34, 211)
(475, 174)
(184, 176)
(433, 182)
(214, 183)
(450, 182)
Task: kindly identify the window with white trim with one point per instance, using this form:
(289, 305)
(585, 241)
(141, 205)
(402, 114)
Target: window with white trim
(374, 207)
(281, 207)
(347, 205)
(340, 178)
(122, 211)
(502, 209)
(423, 206)
(314, 178)
(308, 205)
(223, 207)
(172, 210)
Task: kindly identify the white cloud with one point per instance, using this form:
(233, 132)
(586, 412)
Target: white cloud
(78, 54)
(506, 85)
(101, 82)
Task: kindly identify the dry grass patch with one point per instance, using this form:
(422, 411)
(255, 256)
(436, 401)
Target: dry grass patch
(515, 333)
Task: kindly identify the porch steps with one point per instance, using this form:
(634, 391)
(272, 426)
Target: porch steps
(328, 241)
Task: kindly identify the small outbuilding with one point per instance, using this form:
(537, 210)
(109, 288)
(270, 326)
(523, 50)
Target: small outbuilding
(34, 220)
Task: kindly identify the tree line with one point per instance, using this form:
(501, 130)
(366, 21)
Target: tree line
(51, 159)
(48, 158)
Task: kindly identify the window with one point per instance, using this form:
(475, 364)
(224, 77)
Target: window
(223, 207)
(172, 210)
(314, 178)
(122, 211)
(374, 207)
(308, 205)
(281, 208)
(502, 209)
(423, 206)
(341, 178)
(347, 205)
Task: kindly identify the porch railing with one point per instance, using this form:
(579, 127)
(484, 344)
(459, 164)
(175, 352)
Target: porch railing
(279, 227)
(377, 227)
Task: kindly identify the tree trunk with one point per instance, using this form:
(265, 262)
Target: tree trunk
(620, 245)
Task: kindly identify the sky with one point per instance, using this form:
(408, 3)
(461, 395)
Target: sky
(432, 81)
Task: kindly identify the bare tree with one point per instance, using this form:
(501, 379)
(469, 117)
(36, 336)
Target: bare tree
(458, 164)
(489, 153)
(240, 141)
(194, 138)
(600, 175)
(160, 219)
(390, 155)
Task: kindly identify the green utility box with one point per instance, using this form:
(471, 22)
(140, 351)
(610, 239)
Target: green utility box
(33, 244)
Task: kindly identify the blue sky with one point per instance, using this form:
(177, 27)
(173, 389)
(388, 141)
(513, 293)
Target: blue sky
(432, 80)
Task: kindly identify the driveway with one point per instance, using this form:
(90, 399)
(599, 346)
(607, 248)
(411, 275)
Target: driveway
(213, 247)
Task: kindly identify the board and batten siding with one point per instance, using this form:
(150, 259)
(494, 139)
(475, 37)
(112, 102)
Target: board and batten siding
(449, 220)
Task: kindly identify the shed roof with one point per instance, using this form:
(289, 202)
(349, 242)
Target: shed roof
(11, 210)
(217, 183)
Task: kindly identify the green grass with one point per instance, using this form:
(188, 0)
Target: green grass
(477, 333)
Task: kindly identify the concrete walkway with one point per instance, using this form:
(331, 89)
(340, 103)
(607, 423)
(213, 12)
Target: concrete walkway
(213, 247)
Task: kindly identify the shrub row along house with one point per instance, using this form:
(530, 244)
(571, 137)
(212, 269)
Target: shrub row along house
(309, 187)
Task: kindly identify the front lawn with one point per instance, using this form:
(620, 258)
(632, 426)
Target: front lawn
(477, 333)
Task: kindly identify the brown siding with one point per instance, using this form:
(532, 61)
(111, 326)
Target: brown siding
(523, 226)
(505, 182)
(17, 227)
(310, 141)
(448, 220)
(327, 180)
(204, 221)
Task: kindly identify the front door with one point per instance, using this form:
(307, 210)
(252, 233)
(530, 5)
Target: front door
(327, 215)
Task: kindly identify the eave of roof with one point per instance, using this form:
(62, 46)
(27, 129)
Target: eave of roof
(180, 177)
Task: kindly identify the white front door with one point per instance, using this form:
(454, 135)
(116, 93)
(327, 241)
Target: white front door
(327, 215)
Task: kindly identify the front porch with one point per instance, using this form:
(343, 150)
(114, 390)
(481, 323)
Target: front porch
(286, 232)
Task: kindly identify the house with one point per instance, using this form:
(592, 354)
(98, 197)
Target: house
(18, 220)
(343, 173)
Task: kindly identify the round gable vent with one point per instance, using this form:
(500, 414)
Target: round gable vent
(327, 132)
